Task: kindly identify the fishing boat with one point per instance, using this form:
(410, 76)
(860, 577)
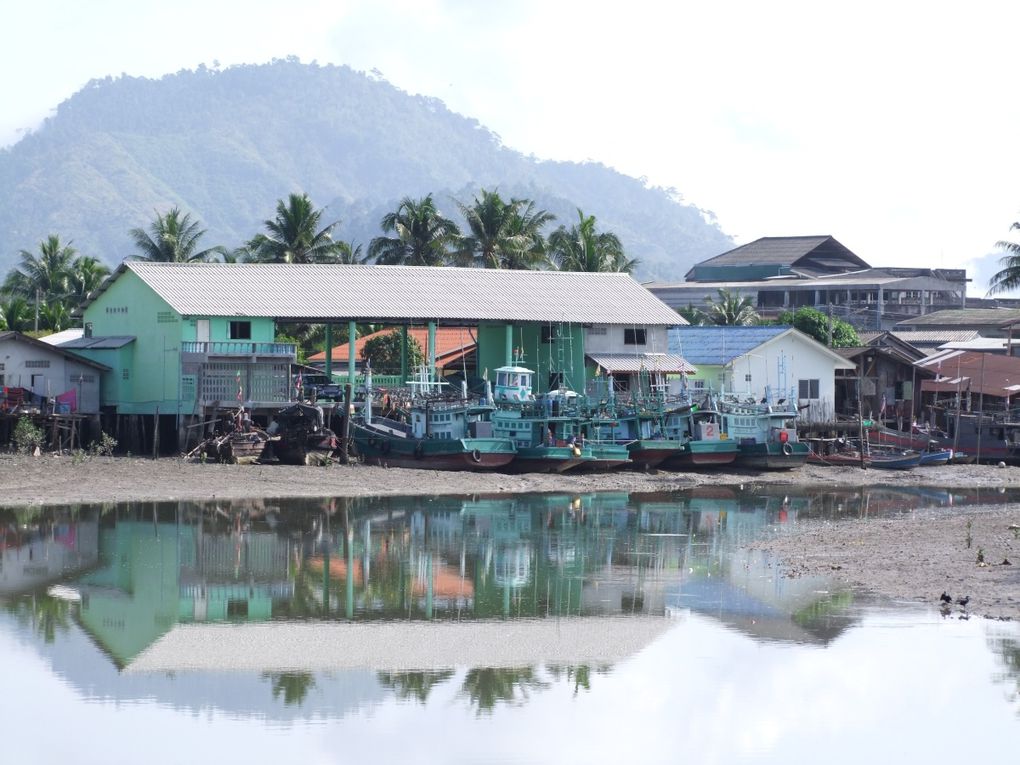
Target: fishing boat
(441, 432)
(638, 423)
(893, 460)
(700, 431)
(936, 457)
(546, 431)
(765, 433)
(300, 436)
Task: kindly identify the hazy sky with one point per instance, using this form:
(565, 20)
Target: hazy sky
(890, 125)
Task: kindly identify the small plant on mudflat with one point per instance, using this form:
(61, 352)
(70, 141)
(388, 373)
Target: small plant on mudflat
(103, 446)
(27, 437)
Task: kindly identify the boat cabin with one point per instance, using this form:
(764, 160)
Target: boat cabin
(513, 384)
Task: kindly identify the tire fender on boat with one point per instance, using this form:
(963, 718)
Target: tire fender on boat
(476, 455)
(787, 449)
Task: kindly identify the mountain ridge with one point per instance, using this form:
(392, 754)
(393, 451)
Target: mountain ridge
(226, 144)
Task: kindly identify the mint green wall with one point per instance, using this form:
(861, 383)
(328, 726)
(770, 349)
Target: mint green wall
(113, 387)
(131, 307)
(564, 354)
(710, 373)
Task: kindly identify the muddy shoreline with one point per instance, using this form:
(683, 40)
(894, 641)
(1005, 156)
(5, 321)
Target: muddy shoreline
(916, 556)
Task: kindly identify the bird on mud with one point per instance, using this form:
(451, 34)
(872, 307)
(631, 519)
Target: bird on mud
(963, 601)
(946, 597)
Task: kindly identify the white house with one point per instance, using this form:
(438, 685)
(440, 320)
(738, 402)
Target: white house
(48, 372)
(749, 360)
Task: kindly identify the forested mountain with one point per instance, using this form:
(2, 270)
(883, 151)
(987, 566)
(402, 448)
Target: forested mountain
(226, 145)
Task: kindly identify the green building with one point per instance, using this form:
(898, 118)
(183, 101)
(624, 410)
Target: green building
(184, 340)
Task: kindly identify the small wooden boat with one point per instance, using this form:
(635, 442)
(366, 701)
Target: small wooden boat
(894, 460)
(937, 457)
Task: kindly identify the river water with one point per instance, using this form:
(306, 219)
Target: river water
(540, 629)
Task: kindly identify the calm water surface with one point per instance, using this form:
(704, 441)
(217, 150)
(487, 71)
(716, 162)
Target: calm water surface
(542, 628)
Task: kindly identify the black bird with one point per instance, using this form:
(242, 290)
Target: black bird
(946, 597)
(963, 601)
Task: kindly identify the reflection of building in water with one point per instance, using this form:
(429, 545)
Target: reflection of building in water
(46, 548)
(154, 575)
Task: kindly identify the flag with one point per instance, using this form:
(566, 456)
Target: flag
(299, 384)
(240, 391)
(881, 408)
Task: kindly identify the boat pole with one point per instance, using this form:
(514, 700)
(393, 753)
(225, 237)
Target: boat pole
(328, 342)
(860, 423)
(345, 425)
(981, 410)
(352, 356)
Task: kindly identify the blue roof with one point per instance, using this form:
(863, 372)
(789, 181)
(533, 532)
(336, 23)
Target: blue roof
(719, 345)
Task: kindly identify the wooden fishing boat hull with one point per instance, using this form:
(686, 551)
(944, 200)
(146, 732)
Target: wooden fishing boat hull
(698, 454)
(547, 459)
(603, 457)
(772, 455)
(650, 453)
(895, 462)
(433, 454)
(941, 457)
(244, 447)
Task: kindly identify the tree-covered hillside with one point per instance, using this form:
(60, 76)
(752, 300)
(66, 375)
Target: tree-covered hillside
(226, 145)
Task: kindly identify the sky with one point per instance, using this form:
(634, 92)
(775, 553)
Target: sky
(889, 125)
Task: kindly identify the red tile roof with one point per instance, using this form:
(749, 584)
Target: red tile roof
(451, 344)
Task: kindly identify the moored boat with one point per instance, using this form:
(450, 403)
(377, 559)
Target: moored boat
(765, 433)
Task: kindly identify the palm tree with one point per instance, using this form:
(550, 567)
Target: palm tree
(504, 234)
(294, 235)
(694, 315)
(87, 274)
(350, 254)
(16, 314)
(46, 276)
(422, 236)
(1008, 278)
(731, 310)
(55, 316)
(173, 238)
(582, 248)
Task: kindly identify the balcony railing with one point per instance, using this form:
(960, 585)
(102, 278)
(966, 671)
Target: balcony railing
(239, 348)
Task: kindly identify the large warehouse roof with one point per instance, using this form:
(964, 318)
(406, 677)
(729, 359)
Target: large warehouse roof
(400, 293)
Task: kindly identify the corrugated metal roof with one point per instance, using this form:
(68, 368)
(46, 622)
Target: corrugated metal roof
(64, 336)
(400, 293)
(924, 338)
(718, 345)
(636, 362)
(990, 317)
(54, 349)
(785, 251)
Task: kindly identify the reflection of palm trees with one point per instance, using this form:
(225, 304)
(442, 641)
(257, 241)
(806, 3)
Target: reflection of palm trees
(414, 685)
(44, 612)
(485, 687)
(580, 675)
(294, 686)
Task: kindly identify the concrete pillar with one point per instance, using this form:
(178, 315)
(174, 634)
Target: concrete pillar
(403, 354)
(432, 350)
(329, 351)
(352, 356)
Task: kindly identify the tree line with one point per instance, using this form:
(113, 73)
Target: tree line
(42, 290)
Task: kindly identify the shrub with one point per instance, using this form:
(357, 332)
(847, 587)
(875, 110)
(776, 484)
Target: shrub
(27, 437)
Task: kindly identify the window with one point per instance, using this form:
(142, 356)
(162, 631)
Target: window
(807, 389)
(37, 364)
(166, 317)
(240, 330)
(125, 374)
(633, 337)
(747, 377)
(698, 384)
(597, 330)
